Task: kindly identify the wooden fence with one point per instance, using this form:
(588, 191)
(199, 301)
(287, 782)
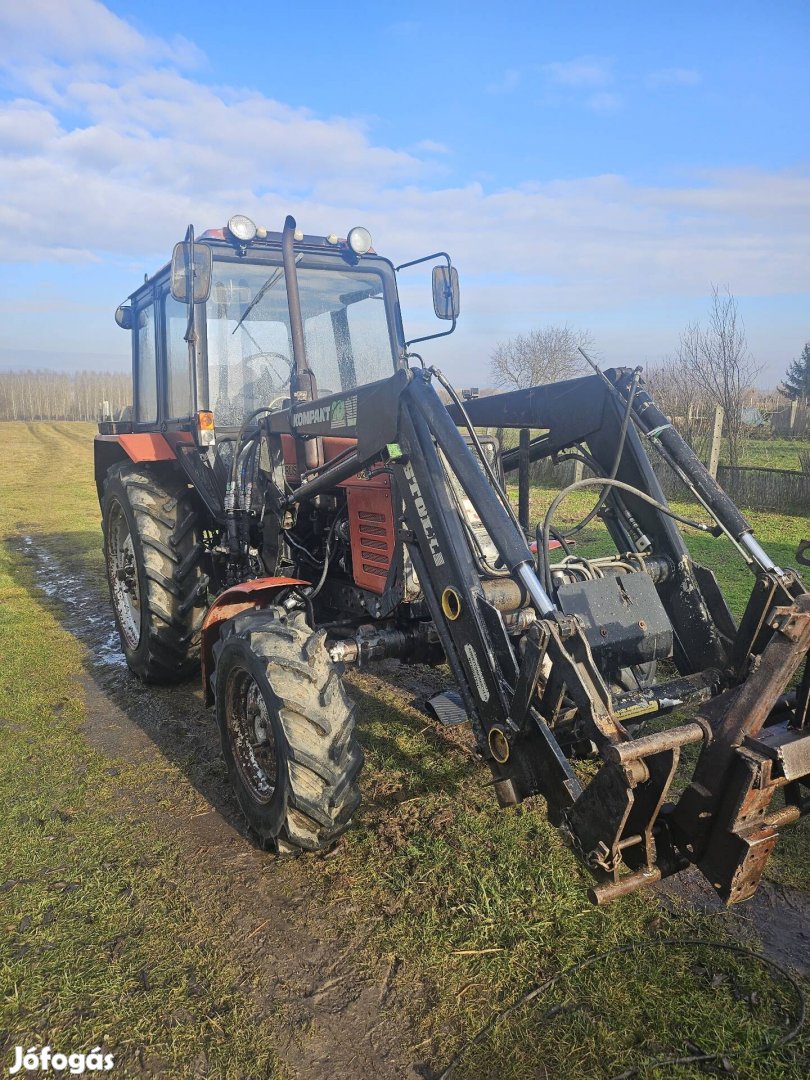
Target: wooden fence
(792, 420)
(755, 488)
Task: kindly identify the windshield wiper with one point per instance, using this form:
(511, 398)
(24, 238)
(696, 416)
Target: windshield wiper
(277, 275)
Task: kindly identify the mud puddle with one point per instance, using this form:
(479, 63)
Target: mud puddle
(82, 612)
(776, 919)
(335, 1013)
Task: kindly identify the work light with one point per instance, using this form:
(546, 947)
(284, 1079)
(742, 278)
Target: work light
(242, 228)
(359, 240)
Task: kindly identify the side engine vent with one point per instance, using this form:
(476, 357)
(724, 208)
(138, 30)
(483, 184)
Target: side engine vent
(371, 528)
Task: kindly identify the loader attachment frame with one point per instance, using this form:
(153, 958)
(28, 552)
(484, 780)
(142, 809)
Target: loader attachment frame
(754, 741)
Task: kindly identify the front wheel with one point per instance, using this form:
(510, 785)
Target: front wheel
(287, 730)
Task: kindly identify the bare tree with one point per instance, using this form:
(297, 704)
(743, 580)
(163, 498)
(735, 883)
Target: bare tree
(58, 395)
(717, 358)
(676, 392)
(540, 356)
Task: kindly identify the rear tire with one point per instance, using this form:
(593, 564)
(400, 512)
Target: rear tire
(152, 549)
(287, 729)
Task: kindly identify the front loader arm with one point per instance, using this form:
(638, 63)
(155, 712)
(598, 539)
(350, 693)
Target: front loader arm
(520, 696)
(621, 823)
(512, 735)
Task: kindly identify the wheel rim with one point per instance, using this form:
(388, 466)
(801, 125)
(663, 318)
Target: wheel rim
(251, 735)
(123, 573)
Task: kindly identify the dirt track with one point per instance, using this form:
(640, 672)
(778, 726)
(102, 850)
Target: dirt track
(337, 1015)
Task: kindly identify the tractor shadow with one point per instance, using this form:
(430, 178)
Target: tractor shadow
(127, 720)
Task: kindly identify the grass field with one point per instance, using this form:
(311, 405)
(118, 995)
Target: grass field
(126, 926)
(771, 453)
(764, 453)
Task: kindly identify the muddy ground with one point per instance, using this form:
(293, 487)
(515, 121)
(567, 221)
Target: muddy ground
(339, 1014)
(339, 1018)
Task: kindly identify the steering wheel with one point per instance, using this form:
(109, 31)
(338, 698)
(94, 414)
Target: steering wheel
(266, 356)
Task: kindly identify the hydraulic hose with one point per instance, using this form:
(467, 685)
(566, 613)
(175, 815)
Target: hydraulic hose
(598, 481)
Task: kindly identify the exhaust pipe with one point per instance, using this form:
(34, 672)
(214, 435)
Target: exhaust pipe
(302, 384)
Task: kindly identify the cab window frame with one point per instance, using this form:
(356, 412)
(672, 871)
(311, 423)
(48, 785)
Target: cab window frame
(317, 260)
(145, 302)
(168, 415)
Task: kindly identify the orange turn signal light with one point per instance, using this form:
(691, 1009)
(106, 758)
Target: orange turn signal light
(205, 428)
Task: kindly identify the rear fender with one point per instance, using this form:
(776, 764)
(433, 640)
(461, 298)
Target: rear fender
(108, 450)
(258, 593)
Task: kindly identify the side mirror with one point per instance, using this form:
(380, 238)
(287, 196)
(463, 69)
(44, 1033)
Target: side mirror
(191, 271)
(446, 301)
(123, 316)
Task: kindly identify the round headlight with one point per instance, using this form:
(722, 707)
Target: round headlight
(241, 227)
(359, 240)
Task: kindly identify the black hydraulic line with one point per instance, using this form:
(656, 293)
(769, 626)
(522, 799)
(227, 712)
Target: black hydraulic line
(241, 434)
(656, 426)
(327, 555)
(312, 473)
(538, 449)
(691, 470)
(488, 499)
(346, 467)
(231, 499)
(597, 481)
(560, 538)
(629, 524)
(493, 479)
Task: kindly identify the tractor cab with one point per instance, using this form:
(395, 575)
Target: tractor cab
(213, 340)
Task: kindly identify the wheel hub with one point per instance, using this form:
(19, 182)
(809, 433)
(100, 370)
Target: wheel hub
(123, 573)
(251, 735)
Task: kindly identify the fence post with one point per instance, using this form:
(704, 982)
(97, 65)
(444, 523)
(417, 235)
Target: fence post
(717, 438)
(794, 408)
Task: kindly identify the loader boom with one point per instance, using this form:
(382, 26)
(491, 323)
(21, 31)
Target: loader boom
(620, 822)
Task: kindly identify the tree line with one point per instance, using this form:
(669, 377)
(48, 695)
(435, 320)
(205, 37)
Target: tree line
(60, 395)
(711, 366)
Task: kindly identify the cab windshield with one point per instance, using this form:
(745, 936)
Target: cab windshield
(249, 343)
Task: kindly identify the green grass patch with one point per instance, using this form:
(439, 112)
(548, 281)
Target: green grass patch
(104, 941)
(478, 905)
(769, 453)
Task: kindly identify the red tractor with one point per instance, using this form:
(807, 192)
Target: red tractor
(290, 495)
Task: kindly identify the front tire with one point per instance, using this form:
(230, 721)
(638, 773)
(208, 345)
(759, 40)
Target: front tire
(152, 550)
(287, 730)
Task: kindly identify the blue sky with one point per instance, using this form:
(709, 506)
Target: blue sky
(590, 164)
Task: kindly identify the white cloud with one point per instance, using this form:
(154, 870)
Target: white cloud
(506, 83)
(603, 102)
(429, 146)
(584, 71)
(81, 30)
(107, 161)
(674, 76)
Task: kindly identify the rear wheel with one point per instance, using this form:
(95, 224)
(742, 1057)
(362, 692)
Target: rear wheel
(152, 549)
(287, 729)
